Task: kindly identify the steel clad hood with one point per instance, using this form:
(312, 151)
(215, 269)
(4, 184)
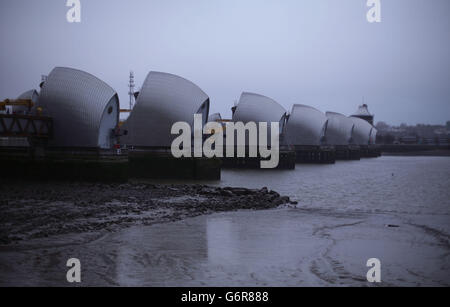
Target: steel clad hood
(306, 126)
(32, 95)
(362, 132)
(163, 100)
(85, 110)
(258, 108)
(340, 129)
(373, 136)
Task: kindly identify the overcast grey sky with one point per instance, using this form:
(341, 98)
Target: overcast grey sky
(318, 52)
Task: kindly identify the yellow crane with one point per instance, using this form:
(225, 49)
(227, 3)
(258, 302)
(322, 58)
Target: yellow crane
(16, 102)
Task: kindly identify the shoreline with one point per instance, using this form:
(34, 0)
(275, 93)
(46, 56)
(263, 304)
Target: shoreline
(41, 210)
(431, 153)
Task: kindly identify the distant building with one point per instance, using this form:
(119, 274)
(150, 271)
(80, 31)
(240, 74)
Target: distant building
(363, 113)
(444, 141)
(409, 140)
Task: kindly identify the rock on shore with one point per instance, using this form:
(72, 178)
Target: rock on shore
(38, 210)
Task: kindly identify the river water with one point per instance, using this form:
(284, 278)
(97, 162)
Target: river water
(396, 209)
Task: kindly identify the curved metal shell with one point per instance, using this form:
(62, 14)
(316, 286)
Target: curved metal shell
(306, 126)
(84, 109)
(362, 132)
(258, 108)
(340, 129)
(32, 95)
(373, 136)
(163, 100)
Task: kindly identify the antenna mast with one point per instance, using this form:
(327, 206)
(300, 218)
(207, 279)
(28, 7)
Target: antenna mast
(131, 91)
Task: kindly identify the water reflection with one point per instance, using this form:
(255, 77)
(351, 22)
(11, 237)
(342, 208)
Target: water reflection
(158, 255)
(254, 239)
(222, 241)
(256, 247)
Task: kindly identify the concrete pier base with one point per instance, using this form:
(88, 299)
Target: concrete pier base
(94, 165)
(370, 151)
(349, 152)
(286, 161)
(374, 151)
(416, 149)
(315, 154)
(86, 165)
(160, 164)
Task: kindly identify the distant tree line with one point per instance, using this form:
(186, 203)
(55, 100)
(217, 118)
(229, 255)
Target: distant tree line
(418, 134)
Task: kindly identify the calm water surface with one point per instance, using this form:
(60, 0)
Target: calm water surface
(396, 209)
(392, 184)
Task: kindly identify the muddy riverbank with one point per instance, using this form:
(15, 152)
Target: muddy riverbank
(40, 210)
